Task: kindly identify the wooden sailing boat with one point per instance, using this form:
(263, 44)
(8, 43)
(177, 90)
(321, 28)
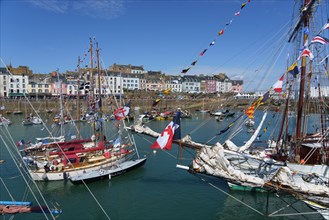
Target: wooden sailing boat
(127, 159)
(306, 172)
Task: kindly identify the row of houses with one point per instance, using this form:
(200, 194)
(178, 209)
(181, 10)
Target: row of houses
(115, 81)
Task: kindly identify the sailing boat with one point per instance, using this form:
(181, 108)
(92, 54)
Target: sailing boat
(307, 179)
(124, 150)
(203, 110)
(84, 159)
(11, 206)
(304, 173)
(4, 120)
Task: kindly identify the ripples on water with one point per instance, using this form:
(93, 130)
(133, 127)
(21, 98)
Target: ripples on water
(158, 190)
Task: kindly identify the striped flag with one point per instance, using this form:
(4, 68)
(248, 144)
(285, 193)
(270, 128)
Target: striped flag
(319, 39)
(278, 85)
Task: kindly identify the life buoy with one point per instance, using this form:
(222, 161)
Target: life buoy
(52, 167)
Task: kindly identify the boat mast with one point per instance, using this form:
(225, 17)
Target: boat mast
(99, 100)
(92, 85)
(78, 98)
(99, 79)
(61, 121)
(305, 17)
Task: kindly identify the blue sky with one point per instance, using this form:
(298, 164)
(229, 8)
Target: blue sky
(161, 35)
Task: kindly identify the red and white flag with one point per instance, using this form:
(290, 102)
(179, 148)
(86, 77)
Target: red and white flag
(306, 53)
(122, 112)
(319, 39)
(164, 141)
(278, 85)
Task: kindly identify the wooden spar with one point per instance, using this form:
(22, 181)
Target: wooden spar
(99, 80)
(92, 84)
(305, 19)
(284, 119)
(322, 122)
(99, 91)
(78, 100)
(307, 10)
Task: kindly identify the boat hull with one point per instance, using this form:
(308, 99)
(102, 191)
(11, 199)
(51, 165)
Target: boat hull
(108, 173)
(42, 175)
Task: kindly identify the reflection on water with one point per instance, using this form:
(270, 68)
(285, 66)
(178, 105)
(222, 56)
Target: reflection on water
(158, 190)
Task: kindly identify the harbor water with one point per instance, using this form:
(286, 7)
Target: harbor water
(157, 190)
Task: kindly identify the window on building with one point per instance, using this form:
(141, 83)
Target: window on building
(23, 80)
(46, 86)
(39, 86)
(39, 90)
(33, 90)
(33, 85)
(47, 90)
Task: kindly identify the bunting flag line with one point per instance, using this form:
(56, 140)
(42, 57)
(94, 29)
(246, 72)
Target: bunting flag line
(221, 32)
(185, 70)
(306, 53)
(261, 100)
(277, 87)
(155, 102)
(250, 111)
(293, 70)
(229, 126)
(319, 39)
(201, 54)
(167, 91)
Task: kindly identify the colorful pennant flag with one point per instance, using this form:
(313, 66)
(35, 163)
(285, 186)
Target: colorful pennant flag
(220, 32)
(306, 53)
(201, 54)
(185, 70)
(155, 102)
(250, 111)
(167, 91)
(194, 62)
(278, 85)
(319, 39)
(293, 69)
